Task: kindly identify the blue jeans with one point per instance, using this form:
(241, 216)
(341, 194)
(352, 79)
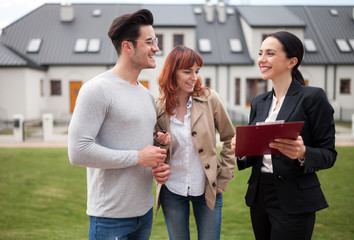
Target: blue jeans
(176, 213)
(138, 228)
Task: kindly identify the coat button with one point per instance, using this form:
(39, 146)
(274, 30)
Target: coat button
(281, 178)
(214, 184)
(207, 166)
(194, 133)
(201, 150)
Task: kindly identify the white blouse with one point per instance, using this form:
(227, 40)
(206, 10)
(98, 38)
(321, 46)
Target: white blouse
(272, 116)
(187, 176)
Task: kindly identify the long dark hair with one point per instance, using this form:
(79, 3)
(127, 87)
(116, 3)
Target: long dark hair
(293, 47)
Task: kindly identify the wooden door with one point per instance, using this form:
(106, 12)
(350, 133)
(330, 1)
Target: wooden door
(145, 84)
(74, 91)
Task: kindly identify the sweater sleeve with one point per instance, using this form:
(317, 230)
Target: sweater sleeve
(83, 149)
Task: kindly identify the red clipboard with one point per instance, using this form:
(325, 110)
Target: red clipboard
(253, 140)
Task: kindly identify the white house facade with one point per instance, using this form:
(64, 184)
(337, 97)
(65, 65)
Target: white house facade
(47, 55)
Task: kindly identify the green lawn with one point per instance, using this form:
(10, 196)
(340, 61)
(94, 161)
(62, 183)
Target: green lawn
(42, 196)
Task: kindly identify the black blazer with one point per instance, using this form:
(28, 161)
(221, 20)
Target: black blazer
(297, 187)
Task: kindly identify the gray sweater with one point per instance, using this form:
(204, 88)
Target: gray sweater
(112, 120)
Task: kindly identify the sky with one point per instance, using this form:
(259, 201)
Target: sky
(11, 10)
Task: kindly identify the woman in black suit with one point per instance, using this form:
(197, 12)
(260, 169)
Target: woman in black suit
(284, 192)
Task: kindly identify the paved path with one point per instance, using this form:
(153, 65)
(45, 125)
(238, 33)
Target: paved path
(344, 137)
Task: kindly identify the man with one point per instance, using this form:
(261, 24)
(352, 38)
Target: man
(111, 133)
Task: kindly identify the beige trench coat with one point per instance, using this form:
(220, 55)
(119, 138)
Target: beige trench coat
(207, 115)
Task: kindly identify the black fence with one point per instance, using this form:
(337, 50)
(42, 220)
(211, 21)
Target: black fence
(6, 127)
(33, 130)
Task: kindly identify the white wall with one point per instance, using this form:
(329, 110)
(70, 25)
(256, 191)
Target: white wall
(60, 105)
(34, 102)
(19, 92)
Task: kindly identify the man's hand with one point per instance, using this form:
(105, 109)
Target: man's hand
(161, 173)
(163, 138)
(151, 156)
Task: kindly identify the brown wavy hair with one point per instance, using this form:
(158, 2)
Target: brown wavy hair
(180, 57)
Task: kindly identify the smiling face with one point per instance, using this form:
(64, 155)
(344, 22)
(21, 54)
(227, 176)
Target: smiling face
(273, 62)
(144, 52)
(187, 78)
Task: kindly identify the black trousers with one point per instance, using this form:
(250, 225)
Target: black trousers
(271, 223)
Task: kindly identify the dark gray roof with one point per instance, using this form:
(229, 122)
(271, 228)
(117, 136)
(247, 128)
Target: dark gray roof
(172, 15)
(270, 16)
(58, 38)
(219, 35)
(9, 58)
(324, 28)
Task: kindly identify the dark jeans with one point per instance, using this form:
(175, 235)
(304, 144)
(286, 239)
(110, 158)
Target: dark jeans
(176, 213)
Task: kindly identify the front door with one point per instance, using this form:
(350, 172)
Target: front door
(74, 91)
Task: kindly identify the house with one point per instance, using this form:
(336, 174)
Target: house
(47, 55)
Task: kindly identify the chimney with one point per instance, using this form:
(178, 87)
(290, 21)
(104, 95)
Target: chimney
(209, 11)
(66, 12)
(221, 11)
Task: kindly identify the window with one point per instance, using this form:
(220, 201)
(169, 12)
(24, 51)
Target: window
(41, 87)
(96, 12)
(204, 45)
(254, 88)
(237, 91)
(178, 39)
(343, 45)
(34, 45)
(198, 10)
(160, 45)
(310, 45)
(235, 45)
(345, 86)
(230, 10)
(94, 45)
(333, 11)
(207, 82)
(55, 87)
(81, 45)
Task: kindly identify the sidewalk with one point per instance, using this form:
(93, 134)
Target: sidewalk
(34, 145)
(344, 137)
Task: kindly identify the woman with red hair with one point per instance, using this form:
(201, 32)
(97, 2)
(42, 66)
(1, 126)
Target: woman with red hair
(192, 114)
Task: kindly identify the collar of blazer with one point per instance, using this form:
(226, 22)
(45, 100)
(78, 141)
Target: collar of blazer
(291, 100)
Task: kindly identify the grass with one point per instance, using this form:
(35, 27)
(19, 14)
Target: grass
(42, 196)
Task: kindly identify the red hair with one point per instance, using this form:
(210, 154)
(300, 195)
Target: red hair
(180, 57)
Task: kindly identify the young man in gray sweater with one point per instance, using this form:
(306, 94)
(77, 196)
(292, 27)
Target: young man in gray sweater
(111, 134)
